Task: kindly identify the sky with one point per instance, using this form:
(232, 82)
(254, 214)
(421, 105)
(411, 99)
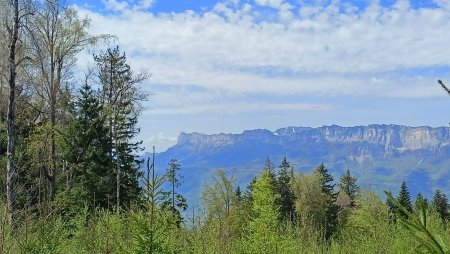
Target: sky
(233, 65)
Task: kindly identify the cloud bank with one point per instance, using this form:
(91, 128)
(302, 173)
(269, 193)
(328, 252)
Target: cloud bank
(317, 50)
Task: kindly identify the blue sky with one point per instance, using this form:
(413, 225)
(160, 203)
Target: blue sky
(231, 65)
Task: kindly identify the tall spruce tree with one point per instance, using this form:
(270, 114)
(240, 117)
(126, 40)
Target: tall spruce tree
(268, 165)
(347, 185)
(440, 203)
(238, 193)
(174, 201)
(121, 99)
(284, 190)
(330, 222)
(89, 171)
(404, 199)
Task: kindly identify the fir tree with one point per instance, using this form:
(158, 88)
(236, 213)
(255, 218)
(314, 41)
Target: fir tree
(347, 185)
(404, 199)
(284, 190)
(86, 149)
(248, 194)
(121, 99)
(421, 202)
(440, 203)
(392, 208)
(174, 201)
(331, 207)
(238, 194)
(268, 166)
(247, 198)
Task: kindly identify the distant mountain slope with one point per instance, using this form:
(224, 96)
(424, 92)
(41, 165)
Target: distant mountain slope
(381, 156)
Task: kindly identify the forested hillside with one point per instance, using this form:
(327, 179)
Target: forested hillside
(71, 171)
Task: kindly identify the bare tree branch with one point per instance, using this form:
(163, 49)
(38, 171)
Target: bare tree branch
(444, 86)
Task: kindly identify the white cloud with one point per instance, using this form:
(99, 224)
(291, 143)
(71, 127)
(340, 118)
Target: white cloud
(235, 108)
(119, 6)
(144, 4)
(161, 141)
(282, 6)
(161, 137)
(443, 3)
(270, 3)
(115, 5)
(322, 51)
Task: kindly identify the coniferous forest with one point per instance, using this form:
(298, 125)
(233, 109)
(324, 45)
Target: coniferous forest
(73, 179)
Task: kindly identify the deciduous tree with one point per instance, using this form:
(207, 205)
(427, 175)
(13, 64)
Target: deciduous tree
(263, 226)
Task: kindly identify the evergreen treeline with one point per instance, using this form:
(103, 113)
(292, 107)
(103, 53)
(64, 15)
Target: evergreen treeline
(73, 184)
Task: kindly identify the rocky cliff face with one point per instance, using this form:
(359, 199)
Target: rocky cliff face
(380, 155)
(391, 137)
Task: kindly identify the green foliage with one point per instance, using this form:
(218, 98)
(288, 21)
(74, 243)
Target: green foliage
(368, 228)
(348, 186)
(417, 227)
(173, 200)
(263, 226)
(121, 99)
(421, 201)
(156, 236)
(219, 196)
(47, 235)
(284, 189)
(310, 201)
(440, 203)
(330, 221)
(404, 199)
(86, 147)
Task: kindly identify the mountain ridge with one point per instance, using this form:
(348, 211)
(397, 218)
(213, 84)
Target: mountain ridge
(380, 155)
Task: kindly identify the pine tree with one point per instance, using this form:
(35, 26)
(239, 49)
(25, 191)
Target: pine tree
(284, 190)
(263, 226)
(347, 185)
(404, 199)
(440, 203)
(331, 207)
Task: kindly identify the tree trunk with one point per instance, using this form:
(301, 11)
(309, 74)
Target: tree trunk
(11, 173)
(53, 94)
(117, 172)
(51, 178)
(173, 190)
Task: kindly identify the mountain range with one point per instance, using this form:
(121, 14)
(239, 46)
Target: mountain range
(380, 156)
